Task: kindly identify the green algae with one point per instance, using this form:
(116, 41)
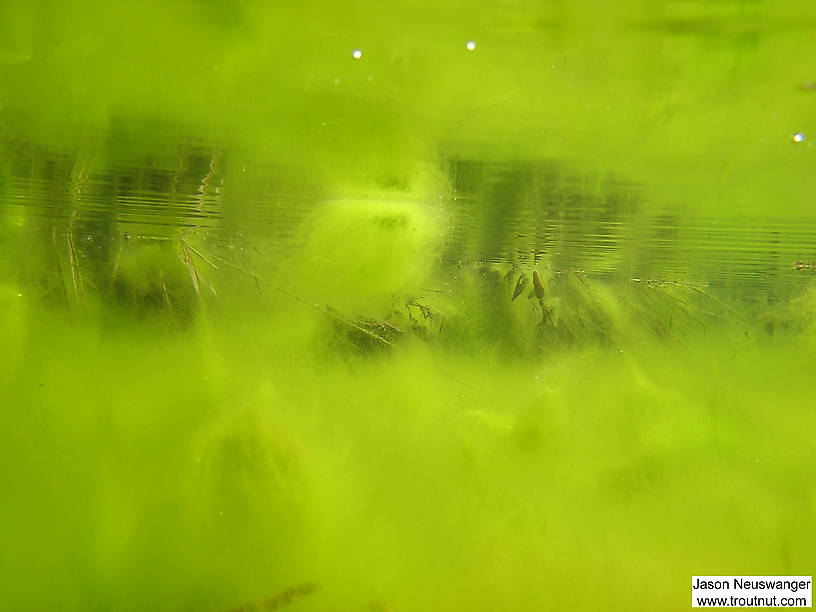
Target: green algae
(265, 339)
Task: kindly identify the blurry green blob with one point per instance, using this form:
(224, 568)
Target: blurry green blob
(230, 462)
(16, 33)
(359, 254)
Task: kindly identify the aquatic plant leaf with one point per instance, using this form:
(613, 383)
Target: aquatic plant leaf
(521, 284)
(537, 286)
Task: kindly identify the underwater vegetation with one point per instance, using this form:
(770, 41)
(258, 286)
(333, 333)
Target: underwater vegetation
(395, 308)
(381, 270)
(210, 461)
(235, 420)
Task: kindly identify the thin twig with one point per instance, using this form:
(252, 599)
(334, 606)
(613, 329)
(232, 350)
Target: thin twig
(259, 281)
(59, 265)
(188, 262)
(76, 277)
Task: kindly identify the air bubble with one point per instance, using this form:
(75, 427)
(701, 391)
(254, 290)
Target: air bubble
(470, 45)
(798, 137)
(357, 54)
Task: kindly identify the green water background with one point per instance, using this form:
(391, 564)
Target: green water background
(256, 316)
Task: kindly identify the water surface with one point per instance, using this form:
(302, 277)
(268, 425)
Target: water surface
(522, 326)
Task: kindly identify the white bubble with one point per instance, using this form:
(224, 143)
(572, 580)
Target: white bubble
(470, 45)
(356, 54)
(798, 137)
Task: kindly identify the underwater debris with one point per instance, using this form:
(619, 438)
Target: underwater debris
(259, 282)
(425, 310)
(364, 333)
(692, 287)
(432, 320)
(280, 600)
(673, 307)
(415, 320)
(478, 307)
(575, 307)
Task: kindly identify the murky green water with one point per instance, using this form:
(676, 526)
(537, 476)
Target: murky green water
(525, 324)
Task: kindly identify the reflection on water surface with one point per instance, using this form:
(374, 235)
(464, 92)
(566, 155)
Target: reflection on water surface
(512, 310)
